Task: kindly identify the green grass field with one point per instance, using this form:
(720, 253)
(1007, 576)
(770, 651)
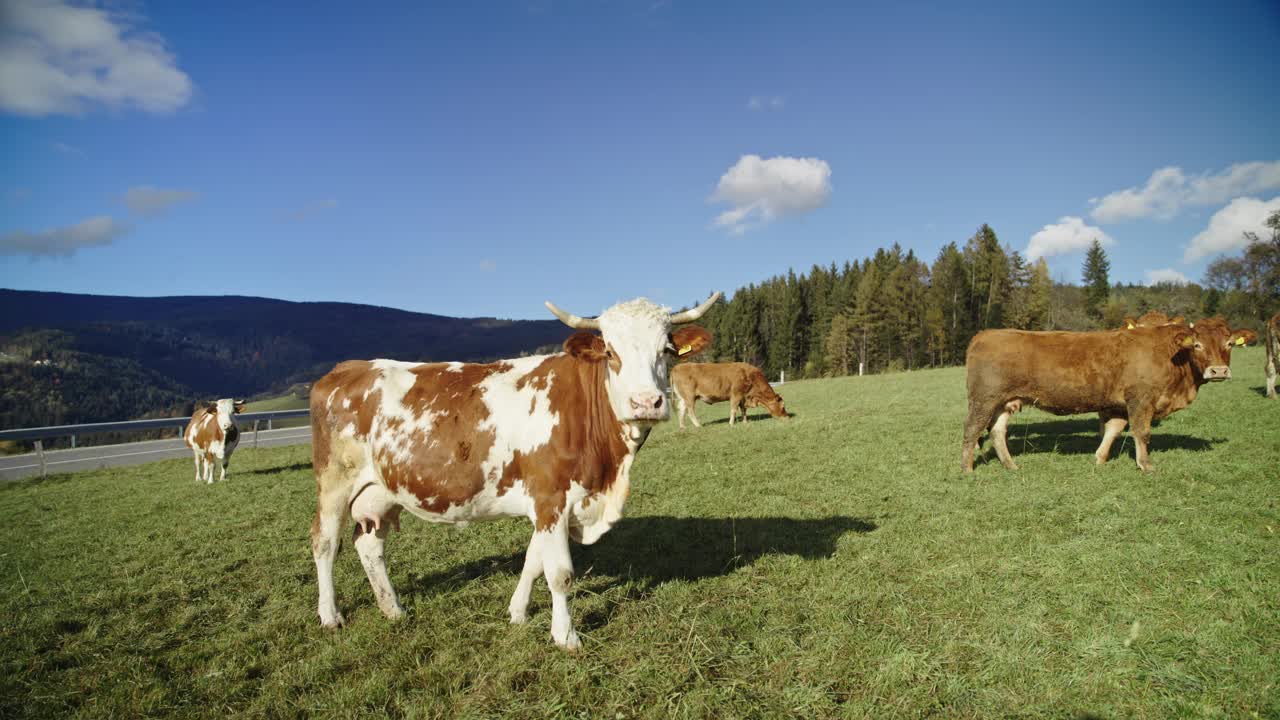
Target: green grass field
(836, 565)
(288, 401)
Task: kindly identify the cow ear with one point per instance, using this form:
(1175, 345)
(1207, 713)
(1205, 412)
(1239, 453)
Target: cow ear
(237, 406)
(1242, 337)
(211, 407)
(585, 346)
(690, 340)
(1183, 340)
(1178, 320)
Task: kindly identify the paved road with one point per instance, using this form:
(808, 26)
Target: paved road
(15, 467)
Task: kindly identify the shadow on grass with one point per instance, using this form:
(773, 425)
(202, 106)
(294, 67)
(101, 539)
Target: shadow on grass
(648, 551)
(725, 420)
(1260, 389)
(279, 469)
(1082, 437)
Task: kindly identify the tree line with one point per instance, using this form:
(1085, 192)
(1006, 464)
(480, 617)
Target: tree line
(895, 311)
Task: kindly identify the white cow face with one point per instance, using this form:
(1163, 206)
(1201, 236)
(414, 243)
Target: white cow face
(637, 341)
(225, 409)
(637, 344)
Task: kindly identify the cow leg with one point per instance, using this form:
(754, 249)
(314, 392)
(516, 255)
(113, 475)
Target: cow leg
(999, 438)
(225, 462)
(196, 455)
(1111, 427)
(693, 405)
(208, 468)
(557, 567)
(519, 607)
(331, 508)
(1273, 345)
(1140, 429)
(369, 542)
(978, 421)
(733, 408)
(684, 408)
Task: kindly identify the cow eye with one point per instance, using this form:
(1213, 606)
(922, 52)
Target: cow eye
(1199, 346)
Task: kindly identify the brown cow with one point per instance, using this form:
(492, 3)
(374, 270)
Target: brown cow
(742, 384)
(1133, 376)
(212, 435)
(1153, 318)
(1273, 353)
(549, 437)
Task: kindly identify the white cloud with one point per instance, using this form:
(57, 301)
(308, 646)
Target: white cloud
(1227, 227)
(761, 191)
(1068, 235)
(766, 102)
(1166, 275)
(65, 241)
(1169, 190)
(60, 58)
(148, 201)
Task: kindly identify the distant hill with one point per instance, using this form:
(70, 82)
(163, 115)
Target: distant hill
(209, 346)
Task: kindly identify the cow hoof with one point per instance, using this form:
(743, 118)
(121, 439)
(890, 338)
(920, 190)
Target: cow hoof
(519, 618)
(333, 623)
(394, 613)
(571, 642)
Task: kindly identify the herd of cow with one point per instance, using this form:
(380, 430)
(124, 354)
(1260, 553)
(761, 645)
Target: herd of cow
(552, 438)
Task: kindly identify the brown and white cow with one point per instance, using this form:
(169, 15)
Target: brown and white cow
(212, 436)
(1126, 376)
(550, 438)
(742, 384)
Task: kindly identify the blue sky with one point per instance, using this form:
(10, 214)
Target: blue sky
(478, 158)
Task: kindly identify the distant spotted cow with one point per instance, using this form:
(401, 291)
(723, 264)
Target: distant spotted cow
(212, 436)
(550, 438)
(742, 384)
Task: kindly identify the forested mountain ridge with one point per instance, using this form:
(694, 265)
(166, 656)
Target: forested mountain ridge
(149, 353)
(887, 312)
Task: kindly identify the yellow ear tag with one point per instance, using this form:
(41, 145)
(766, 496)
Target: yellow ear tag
(1131, 326)
(1239, 341)
(1188, 341)
(684, 350)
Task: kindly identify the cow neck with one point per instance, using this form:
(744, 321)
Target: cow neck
(600, 448)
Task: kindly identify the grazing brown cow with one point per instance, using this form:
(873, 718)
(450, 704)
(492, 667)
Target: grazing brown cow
(1133, 376)
(212, 435)
(1273, 353)
(742, 384)
(549, 437)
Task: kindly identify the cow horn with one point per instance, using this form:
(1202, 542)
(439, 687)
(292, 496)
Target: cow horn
(689, 316)
(573, 321)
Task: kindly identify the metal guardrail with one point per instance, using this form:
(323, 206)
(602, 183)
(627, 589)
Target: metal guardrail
(39, 435)
(55, 431)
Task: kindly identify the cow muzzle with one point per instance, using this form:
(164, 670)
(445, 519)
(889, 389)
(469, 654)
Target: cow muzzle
(648, 406)
(1218, 373)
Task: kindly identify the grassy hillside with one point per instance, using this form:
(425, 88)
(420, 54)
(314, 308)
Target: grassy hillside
(834, 565)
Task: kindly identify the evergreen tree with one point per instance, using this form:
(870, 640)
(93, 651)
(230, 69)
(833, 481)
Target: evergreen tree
(1039, 297)
(1097, 287)
(839, 346)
